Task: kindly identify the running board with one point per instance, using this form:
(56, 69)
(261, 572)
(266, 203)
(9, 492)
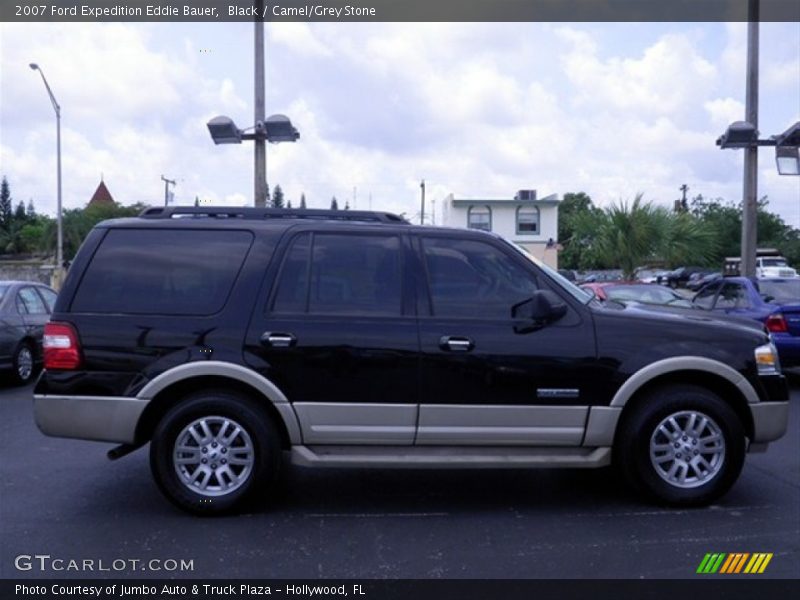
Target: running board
(451, 457)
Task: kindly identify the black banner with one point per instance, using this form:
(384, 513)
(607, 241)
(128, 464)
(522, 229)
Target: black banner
(395, 10)
(462, 589)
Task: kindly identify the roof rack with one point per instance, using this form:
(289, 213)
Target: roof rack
(245, 212)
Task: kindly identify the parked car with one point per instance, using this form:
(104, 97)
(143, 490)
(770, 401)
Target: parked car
(646, 275)
(699, 279)
(774, 266)
(568, 274)
(24, 309)
(355, 339)
(633, 291)
(774, 302)
(680, 276)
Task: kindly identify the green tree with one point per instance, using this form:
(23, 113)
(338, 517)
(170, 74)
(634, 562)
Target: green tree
(578, 222)
(6, 206)
(30, 211)
(303, 201)
(20, 216)
(289, 204)
(630, 235)
(334, 204)
(277, 197)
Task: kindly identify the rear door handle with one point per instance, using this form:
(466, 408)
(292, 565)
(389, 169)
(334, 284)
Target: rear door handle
(456, 343)
(278, 340)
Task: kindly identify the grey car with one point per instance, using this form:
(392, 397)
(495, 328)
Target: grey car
(25, 307)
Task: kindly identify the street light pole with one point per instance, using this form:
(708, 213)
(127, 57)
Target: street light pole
(59, 234)
(422, 203)
(750, 185)
(260, 143)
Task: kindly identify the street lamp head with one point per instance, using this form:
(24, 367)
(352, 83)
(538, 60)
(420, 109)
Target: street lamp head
(224, 131)
(739, 134)
(280, 129)
(34, 66)
(787, 151)
(787, 159)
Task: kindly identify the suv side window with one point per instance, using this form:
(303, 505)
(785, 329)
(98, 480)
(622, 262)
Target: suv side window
(162, 272)
(32, 301)
(469, 278)
(348, 274)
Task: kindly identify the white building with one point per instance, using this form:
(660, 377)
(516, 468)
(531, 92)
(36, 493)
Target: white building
(526, 220)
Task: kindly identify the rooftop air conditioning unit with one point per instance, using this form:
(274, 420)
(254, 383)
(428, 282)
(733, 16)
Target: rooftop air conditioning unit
(526, 195)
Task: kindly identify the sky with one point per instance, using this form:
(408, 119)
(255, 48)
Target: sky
(478, 110)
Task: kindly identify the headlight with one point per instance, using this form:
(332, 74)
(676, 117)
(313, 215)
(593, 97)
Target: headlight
(767, 360)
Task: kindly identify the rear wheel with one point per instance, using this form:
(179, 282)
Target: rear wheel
(683, 445)
(215, 452)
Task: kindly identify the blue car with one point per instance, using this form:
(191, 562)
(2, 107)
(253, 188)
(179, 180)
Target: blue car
(774, 302)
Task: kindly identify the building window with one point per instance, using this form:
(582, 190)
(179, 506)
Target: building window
(479, 217)
(528, 220)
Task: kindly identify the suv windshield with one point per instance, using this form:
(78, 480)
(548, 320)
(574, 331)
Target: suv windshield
(581, 295)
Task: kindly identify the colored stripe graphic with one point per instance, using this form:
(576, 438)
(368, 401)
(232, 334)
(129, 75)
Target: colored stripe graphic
(711, 563)
(728, 564)
(758, 563)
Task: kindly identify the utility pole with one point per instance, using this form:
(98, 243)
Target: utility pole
(167, 183)
(260, 142)
(750, 186)
(422, 201)
(684, 206)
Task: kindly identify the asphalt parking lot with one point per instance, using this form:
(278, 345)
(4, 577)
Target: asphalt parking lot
(63, 498)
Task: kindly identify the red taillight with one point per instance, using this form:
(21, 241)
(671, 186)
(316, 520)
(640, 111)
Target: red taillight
(61, 347)
(777, 324)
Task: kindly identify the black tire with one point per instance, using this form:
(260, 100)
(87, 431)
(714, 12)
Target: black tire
(249, 483)
(633, 456)
(23, 369)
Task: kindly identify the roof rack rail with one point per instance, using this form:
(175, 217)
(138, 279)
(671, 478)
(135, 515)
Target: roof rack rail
(248, 212)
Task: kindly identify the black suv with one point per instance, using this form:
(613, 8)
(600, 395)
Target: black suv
(226, 336)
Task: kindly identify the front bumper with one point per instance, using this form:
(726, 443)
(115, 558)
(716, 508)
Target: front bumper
(100, 418)
(770, 420)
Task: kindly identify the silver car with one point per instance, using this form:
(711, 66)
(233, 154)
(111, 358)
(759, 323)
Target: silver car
(25, 307)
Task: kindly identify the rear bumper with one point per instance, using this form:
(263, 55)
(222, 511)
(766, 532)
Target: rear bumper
(770, 420)
(100, 418)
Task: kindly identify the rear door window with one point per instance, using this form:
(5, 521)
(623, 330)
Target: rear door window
(347, 274)
(32, 301)
(162, 271)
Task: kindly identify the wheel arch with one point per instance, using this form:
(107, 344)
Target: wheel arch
(717, 377)
(163, 392)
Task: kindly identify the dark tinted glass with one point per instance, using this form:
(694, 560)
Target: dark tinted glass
(355, 274)
(164, 271)
(293, 283)
(468, 278)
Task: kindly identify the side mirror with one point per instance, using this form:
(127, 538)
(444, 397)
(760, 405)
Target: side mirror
(542, 308)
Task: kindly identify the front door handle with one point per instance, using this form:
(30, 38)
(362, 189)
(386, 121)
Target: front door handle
(456, 343)
(278, 340)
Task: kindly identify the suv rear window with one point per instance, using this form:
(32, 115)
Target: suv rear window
(164, 272)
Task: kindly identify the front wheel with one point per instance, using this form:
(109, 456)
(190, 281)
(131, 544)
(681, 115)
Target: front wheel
(683, 445)
(214, 453)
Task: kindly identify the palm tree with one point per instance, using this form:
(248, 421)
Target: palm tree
(632, 235)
